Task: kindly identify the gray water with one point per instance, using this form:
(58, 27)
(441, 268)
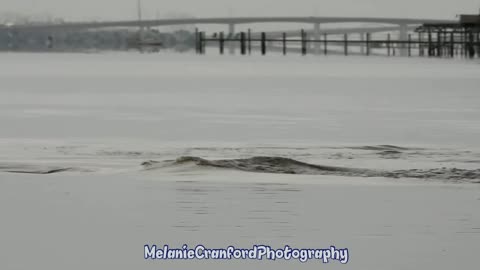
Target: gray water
(377, 155)
(275, 100)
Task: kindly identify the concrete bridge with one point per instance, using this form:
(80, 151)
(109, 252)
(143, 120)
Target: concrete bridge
(221, 21)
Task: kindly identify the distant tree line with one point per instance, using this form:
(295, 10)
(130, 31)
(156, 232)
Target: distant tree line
(94, 40)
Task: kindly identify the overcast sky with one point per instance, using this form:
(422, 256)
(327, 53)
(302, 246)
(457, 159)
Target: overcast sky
(126, 9)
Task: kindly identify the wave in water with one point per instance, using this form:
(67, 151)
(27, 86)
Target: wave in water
(37, 169)
(280, 165)
(270, 164)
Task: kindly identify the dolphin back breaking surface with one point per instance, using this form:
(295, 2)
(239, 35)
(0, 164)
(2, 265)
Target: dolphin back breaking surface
(281, 165)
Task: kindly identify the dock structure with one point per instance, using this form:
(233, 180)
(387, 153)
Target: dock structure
(428, 41)
(452, 39)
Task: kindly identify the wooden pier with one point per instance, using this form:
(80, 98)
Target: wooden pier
(429, 40)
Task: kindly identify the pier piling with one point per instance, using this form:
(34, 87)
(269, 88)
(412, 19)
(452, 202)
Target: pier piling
(203, 42)
(452, 45)
(249, 41)
(243, 46)
(304, 42)
(345, 39)
(409, 45)
(325, 42)
(197, 41)
(439, 44)
(389, 44)
(367, 44)
(471, 46)
(478, 44)
(421, 51)
(222, 42)
(430, 46)
(264, 43)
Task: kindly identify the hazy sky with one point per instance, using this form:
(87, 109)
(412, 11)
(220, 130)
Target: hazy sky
(126, 9)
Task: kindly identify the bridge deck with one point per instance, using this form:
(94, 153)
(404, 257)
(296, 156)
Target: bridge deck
(227, 21)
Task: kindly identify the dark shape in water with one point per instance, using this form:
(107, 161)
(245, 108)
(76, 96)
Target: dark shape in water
(43, 172)
(384, 147)
(281, 165)
(38, 171)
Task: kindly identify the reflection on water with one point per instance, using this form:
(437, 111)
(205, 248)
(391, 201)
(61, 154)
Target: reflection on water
(311, 215)
(267, 208)
(402, 224)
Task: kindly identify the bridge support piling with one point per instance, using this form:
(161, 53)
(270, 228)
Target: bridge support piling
(284, 41)
(316, 38)
(311, 44)
(403, 35)
(231, 36)
(345, 38)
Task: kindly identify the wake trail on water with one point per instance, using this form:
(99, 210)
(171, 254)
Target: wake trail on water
(37, 169)
(281, 165)
(433, 164)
